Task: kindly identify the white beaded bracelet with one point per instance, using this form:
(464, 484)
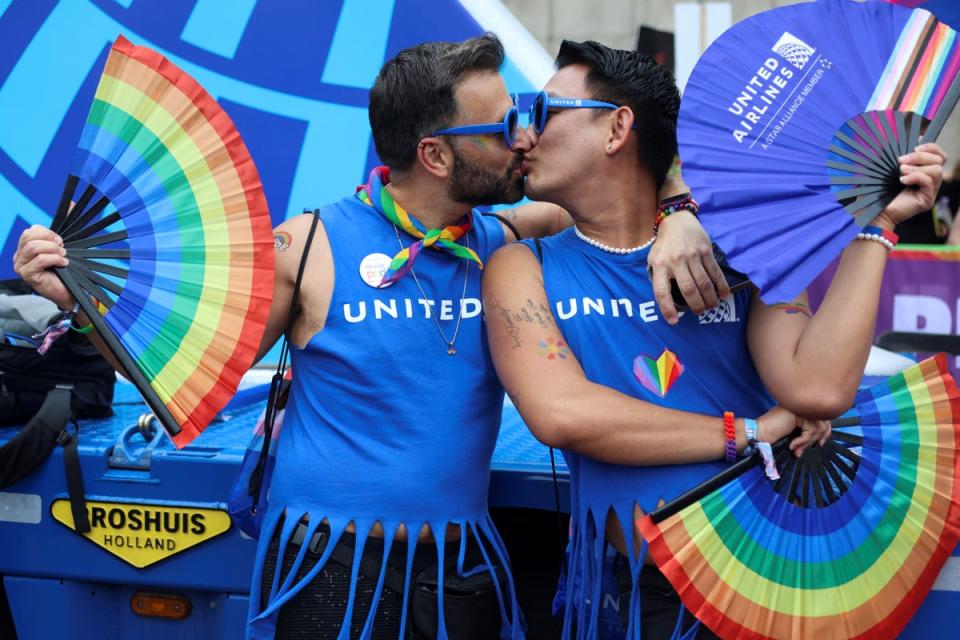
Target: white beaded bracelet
(887, 238)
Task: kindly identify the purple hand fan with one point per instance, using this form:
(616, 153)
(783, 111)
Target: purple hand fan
(947, 11)
(792, 122)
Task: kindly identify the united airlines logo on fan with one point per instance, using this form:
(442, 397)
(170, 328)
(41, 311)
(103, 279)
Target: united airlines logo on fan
(793, 50)
(725, 311)
(776, 91)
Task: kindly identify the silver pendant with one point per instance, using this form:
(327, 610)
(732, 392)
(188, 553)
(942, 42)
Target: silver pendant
(451, 350)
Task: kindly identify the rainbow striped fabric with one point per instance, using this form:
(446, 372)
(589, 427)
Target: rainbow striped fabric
(920, 68)
(184, 266)
(375, 194)
(750, 564)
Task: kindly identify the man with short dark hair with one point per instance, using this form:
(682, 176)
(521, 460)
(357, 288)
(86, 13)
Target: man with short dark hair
(378, 503)
(633, 398)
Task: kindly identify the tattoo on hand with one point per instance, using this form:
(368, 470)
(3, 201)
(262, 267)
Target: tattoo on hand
(282, 240)
(792, 308)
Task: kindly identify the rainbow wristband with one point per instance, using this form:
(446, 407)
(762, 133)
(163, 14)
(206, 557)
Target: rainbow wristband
(85, 329)
(730, 433)
(887, 238)
(680, 202)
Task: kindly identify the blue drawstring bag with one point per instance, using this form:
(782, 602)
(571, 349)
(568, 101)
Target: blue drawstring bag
(247, 503)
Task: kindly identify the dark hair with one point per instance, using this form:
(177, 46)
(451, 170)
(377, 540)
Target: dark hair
(631, 79)
(413, 95)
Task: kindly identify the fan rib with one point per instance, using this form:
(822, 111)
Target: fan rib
(99, 225)
(102, 268)
(855, 192)
(831, 458)
(858, 159)
(858, 170)
(915, 123)
(120, 352)
(869, 154)
(114, 254)
(92, 289)
(900, 118)
(871, 142)
(943, 112)
(96, 279)
(80, 220)
(82, 203)
(860, 204)
(826, 485)
(848, 421)
(865, 181)
(883, 139)
(847, 437)
(893, 144)
(64, 205)
(803, 487)
(869, 213)
(727, 475)
(96, 241)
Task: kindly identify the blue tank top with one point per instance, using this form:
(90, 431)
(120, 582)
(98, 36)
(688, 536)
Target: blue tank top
(606, 310)
(383, 425)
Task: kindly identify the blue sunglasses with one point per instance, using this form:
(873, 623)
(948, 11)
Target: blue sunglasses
(543, 102)
(508, 127)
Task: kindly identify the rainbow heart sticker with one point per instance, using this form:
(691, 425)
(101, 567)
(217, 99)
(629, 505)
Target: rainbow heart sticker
(660, 374)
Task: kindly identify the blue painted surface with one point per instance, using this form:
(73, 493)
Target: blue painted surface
(354, 61)
(218, 25)
(293, 75)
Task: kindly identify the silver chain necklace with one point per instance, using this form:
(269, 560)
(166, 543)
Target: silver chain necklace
(451, 349)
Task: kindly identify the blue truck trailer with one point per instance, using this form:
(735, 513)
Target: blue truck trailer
(162, 559)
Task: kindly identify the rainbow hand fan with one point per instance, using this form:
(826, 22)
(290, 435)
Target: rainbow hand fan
(792, 122)
(169, 238)
(849, 541)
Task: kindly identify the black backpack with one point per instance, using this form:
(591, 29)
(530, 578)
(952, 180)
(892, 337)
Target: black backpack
(46, 392)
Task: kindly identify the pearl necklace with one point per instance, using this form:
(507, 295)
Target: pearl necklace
(608, 248)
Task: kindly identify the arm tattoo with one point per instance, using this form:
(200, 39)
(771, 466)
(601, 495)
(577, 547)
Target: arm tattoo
(792, 308)
(532, 313)
(553, 349)
(282, 240)
(507, 317)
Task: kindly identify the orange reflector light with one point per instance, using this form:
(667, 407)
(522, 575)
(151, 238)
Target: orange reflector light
(160, 605)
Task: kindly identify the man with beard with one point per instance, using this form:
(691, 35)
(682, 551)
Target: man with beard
(646, 409)
(395, 401)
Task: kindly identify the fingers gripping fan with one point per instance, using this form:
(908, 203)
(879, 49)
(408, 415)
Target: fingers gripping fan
(792, 122)
(168, 238)
(847, 543)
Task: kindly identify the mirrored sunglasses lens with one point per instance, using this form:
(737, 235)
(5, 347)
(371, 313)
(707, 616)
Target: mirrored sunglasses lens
(538, 114)
(513, 119)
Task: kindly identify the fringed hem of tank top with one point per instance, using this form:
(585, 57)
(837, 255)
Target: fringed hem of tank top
(584, 578)
(262, 617)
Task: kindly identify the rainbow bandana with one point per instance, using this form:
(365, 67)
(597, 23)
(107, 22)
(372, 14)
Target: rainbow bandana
(375, 194)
